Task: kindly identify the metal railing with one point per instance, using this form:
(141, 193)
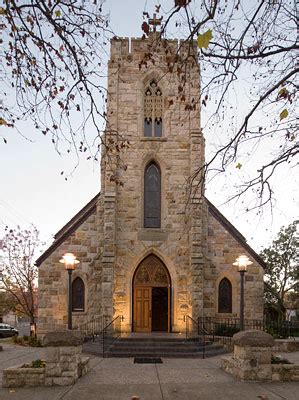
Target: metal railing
(225, 328)
(93, 329)
(196, 332)
(110, 333)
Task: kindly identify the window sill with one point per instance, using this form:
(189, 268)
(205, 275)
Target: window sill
(74, 313)
(226, 314)
(153, 139)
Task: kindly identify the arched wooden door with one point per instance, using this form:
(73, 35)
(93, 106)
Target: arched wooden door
(151, 296)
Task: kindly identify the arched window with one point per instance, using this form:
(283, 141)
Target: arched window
(152, 196)
(153, 110)
(225, 296)
(78, 293)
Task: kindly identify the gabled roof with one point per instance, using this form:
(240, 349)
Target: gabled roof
(234, 232)
(69, 228)
(90, 208)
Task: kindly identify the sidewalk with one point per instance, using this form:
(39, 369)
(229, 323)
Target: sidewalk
(120, 379)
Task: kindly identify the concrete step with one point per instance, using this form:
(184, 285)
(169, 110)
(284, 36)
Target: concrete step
(163, 355)
(155, 347)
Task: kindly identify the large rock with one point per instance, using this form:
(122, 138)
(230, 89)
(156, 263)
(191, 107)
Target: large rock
(62, 338)
(253, 338)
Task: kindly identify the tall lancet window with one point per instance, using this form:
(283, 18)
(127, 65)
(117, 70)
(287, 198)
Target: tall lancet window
(78, 295)
(225, 296)
(152, 196)
(153, 110)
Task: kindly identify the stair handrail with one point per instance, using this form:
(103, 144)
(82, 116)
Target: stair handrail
(200, 331)
(92, 328)
(115, 333)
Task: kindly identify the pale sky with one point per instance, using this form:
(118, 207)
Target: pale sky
(32, 189)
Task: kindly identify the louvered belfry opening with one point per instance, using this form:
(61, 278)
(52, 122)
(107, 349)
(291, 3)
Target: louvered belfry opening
(153, 110)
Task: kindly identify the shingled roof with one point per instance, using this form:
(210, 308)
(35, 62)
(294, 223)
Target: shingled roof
(90, 208)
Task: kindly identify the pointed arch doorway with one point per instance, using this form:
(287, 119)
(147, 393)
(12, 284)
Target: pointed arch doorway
(151, 296)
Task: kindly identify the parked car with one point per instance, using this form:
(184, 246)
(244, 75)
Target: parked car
(7, 331)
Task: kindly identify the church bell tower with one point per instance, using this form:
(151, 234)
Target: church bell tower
(152, 210)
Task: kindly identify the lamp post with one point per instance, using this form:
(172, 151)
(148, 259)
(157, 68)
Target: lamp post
(69, 261)
(242, 262)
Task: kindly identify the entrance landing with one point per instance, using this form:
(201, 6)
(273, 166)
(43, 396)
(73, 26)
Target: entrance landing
(153, 335)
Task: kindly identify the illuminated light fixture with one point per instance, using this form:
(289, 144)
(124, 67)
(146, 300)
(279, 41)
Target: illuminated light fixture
(242, 262)
(69, 261)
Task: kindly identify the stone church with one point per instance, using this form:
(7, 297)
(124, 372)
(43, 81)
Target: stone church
(153, 249)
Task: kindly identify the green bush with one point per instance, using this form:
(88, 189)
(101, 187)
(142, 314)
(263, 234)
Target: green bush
(279, 360)
(35, 364)
(18, 340)
(38, 364)
(226, 330)
(34, 342)
(27, 341)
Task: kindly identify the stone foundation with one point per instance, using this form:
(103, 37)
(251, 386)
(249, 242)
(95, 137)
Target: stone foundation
(251, 360)
(285, 345)
(20, 377)
(64, 364)
(285, 372)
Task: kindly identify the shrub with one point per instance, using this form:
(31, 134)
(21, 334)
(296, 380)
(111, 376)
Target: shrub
(226, 330)
(34, 342)
(35, 364)
(19, 340)
(38, 364)
(279, 360)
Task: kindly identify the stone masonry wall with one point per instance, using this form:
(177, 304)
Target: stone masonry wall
(53, 279)
(173, 243)
(223, 249)
(197, 250)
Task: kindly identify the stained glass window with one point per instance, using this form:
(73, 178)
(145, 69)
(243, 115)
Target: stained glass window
(152, 196)
(225, 296)
(78, 290)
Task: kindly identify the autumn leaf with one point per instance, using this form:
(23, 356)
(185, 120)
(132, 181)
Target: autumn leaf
(239, 166)
(203, 40)
(145, 27)
(284, 113)
(2, 11)
(282, 91)
(58, 13)
(2, 121)
(181, 3)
